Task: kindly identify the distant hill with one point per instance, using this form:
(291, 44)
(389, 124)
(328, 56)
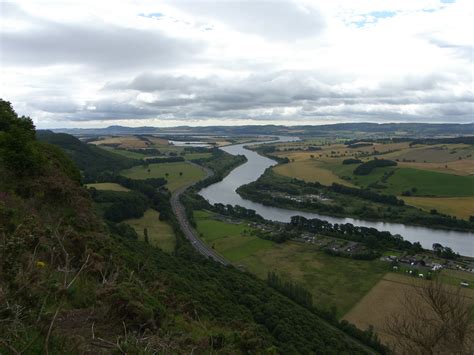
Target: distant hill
(413, 130)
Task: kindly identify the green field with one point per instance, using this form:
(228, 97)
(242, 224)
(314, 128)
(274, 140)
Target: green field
(233, 241)
(454, 277)
(333, 281)
(461, 207)
(430, 183)
(110, 186)
(427, 183)
(169, 171)
(160, 234)
(123, 152)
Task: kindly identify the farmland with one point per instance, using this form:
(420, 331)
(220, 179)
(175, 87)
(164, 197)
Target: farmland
(437, 176)
(429, 183)
(462, 207)
(160, 234)
(310, 171)
(110, 186)
(383, 300)
(233, 241)
(332, 281)
(170, 171)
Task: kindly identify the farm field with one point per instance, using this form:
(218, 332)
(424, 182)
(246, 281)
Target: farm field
(194, 156)
(461, 207)
(169, 171)
(233, 241)
(427, 171)
(160, 234)
(457, 167)
(430, 183)
(454, 277)
(384, 300)
(332, 281)
(110, 186)
(123, 152)
(310, 171)
(123, 142)
(437, 153)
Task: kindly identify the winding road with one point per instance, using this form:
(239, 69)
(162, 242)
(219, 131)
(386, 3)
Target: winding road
(189, 232)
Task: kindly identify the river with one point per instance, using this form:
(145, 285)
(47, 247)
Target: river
(224, 192)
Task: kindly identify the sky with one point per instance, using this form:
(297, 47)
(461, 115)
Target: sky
(168, 63)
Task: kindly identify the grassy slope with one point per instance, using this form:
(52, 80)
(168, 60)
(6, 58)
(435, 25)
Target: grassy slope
(160, 233)
(191, 173)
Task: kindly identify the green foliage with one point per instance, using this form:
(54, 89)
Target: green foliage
(351, 161)
(91, 160)
(18, 150)
(119, 205)
(367, 167)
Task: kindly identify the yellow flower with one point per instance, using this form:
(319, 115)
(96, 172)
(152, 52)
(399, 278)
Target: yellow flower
(40, 264)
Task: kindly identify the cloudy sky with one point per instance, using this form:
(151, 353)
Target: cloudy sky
(166, 63)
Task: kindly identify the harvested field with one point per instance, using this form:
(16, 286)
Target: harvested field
(123, 142)
(462, 167)
(437, 153)
(310, 171)
(461, 207)
(384, 300)
(177, 174)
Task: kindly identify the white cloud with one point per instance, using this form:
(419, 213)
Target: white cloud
(94, 63)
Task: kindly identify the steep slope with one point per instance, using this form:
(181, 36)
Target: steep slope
(70, 285)
(90, 159)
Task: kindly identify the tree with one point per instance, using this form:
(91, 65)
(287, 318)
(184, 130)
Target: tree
(145, 235)
(180, 173)
(17, 142)
(436, 319)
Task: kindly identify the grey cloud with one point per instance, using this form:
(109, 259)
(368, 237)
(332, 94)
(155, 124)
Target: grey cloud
(184, 97)
(103, 46)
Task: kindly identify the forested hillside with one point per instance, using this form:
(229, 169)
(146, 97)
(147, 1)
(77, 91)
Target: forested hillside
(71, 283)
(90, 159)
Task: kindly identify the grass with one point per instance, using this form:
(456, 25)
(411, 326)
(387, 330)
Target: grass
(384, 300)
(454, 277)
(110, 186)
(124, 141)
(124, 153)
(169, 171)
(310, 171)
(160, 234)
(461, 207)
(233, 241)
(332, 281)
(430, 183)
